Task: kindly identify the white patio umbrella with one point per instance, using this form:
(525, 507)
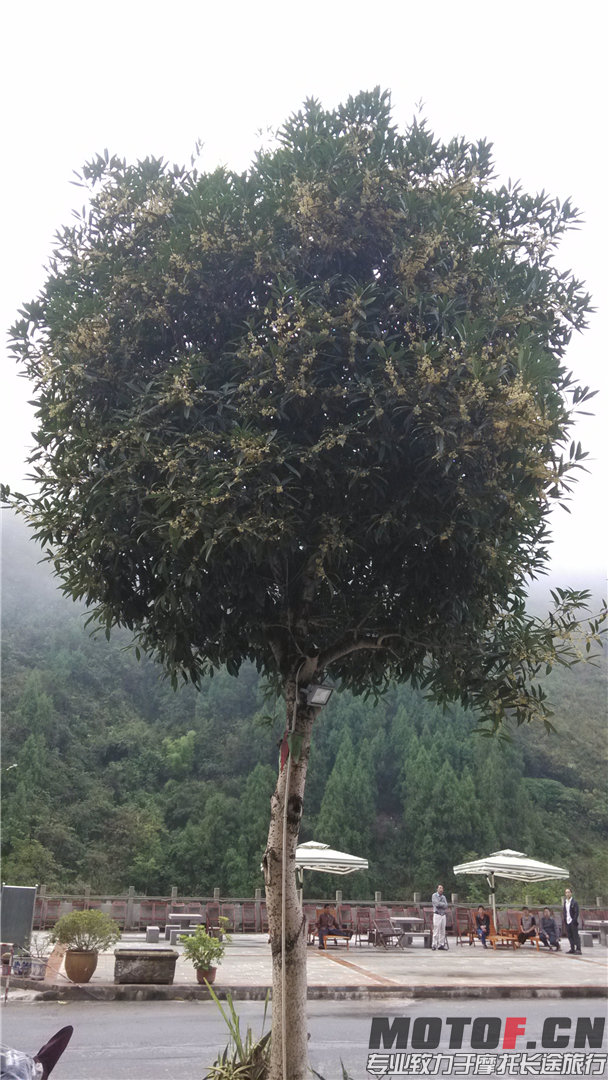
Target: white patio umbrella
(320, 856)
(315, 856)
(510, 864)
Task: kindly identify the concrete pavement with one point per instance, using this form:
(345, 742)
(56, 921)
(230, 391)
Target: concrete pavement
(358, 972)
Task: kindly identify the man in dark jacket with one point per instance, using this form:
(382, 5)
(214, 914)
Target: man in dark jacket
(570, 921)
(482, 925)
(549, 934)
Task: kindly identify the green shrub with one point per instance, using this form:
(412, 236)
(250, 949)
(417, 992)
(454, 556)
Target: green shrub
(89, 931)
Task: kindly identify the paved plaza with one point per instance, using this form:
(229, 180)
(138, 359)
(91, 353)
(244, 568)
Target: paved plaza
(358, 972)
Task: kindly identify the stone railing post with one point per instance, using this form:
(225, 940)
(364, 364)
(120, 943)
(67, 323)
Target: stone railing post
(130, 915)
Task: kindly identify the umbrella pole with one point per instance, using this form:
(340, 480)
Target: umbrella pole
(492, 883)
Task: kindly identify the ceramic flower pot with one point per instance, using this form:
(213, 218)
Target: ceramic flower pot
(80, 965)
(37, 968)
(22, 966)
(205, 975)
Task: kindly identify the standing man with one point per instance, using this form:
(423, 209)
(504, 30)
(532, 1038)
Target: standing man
(440, 908)
(570, 921)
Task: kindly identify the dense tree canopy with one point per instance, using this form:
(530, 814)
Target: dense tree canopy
(314, 410)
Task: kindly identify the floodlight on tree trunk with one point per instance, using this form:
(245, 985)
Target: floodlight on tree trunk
(318, 695)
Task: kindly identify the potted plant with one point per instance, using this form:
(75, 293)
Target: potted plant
(221, 930)
(22, 963)
(6, 951)
(39, 950)
(85, 934)
(205, 952)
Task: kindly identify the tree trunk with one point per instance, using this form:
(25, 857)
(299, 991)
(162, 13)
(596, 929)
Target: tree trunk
(289, 974)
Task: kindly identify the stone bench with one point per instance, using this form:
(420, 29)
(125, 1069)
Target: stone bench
(176, 933)
(152, 935)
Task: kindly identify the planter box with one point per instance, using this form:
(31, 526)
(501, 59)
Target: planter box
(144, 965)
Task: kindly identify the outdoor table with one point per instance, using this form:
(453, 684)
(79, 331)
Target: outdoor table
(183, 919)
(405, 926)
(601, 925)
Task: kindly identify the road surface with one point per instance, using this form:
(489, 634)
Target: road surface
(179, 1040)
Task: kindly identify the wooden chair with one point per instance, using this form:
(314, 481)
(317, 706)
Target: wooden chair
(512, 920)
(118, 912)
(153, 912)
(228, 911)
(385, 933)
(50, 913)
(363, 925)
(212, 916)
(264, 916)
(345, 916)
(310, 915)
(463, 927)
(249, 920)
(337, 935)
(38, 913)
(502, 938)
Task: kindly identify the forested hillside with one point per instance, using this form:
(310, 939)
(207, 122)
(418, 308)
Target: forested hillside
(113, 779)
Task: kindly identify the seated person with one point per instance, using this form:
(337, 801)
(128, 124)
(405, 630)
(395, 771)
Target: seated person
(482, 925)
(528, 930)
(549, 933)
(327, 925)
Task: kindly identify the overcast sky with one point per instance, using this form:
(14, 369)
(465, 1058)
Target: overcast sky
(144, 78)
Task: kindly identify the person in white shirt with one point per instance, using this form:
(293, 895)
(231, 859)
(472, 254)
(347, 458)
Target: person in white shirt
(440, 908)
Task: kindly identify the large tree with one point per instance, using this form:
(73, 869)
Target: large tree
(313, 415)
